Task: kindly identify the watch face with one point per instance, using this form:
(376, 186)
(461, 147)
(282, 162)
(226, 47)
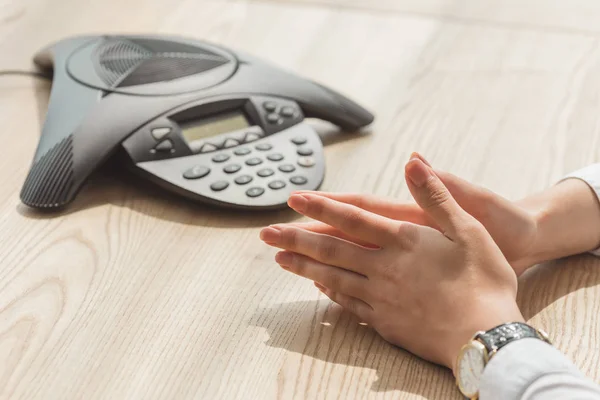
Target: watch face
(471, 362)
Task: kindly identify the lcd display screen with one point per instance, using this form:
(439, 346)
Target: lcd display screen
(214, 126)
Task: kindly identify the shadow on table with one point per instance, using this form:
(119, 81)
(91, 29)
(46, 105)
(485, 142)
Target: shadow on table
(547, 283)
(321, 330)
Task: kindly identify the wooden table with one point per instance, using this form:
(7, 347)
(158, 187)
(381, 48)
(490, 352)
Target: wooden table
(134, 293)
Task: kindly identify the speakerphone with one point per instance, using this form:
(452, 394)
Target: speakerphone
(211, 124)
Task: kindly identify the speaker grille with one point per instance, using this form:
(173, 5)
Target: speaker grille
(121, 62)
(166, 69)
(115, 59)
(50, 179)
(164, 46)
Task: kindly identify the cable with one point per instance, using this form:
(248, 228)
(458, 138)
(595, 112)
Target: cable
(34, 74)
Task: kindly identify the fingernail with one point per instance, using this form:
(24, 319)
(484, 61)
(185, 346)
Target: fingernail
(284, 259)
(417, 172)
(298, 202)
(270, 234)
(420, 157)
(319, 286)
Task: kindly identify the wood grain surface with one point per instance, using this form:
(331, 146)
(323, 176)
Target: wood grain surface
(134, 293)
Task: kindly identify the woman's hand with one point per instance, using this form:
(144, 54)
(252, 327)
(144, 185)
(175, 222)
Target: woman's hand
(513, 226)
(423, 289)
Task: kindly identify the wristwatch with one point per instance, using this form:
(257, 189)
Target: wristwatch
(475, 355)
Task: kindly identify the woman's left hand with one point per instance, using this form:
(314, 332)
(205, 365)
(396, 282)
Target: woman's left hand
(423, 289)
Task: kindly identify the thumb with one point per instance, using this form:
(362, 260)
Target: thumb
(434, 198)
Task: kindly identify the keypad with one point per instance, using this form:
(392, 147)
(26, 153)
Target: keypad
(196, 172)
(219, 158)
(263, 147)
(304, 151)
(243, 179)
(276, 185)
(287, 168)
(254, 191)
(253, 161)
(219, 185)
(306, 161)
(232, 168)
(275, 157)
(298, 180)
(263, 173)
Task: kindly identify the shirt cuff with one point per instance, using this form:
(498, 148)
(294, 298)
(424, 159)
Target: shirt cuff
(591, 176)
(562, 386)
(518, 365)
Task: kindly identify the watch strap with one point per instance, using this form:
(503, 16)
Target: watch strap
(498, 337)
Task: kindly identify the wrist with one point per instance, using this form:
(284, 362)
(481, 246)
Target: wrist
(537, 208)
(566, 219)
(488, 318)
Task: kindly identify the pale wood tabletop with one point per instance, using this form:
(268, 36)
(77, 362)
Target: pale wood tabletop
(135, 293)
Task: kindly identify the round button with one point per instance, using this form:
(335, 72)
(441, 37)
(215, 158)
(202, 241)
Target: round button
(298, 180)
(287, 168)
(299, 140)
(275, 185)
(306, 161)
(304, 151)
(232, 168)
(219, 185)
(270, 106)
(254, 191)
(265, 172)
(275, 157)
(253, 161)
(288, 112)
(196, 172)
(220, 157)
(273, 119)
(242, 152)
(243, 179)
(263, 147)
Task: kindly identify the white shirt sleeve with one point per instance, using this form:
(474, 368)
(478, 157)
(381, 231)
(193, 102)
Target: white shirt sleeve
(530, 369)
(591, 176)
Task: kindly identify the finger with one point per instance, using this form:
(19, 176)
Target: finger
(352, 220)
(435, 199)
(337, 279)
(356, 306)
(479, 199)
(420, 157)
(387, 208)
(319, 227)
(323, 248)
